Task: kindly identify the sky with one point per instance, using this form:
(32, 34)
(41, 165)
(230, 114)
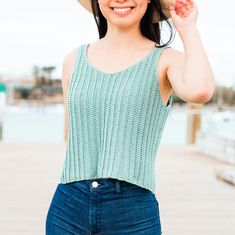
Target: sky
(43, 32)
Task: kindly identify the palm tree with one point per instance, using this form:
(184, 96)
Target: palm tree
(48, 71)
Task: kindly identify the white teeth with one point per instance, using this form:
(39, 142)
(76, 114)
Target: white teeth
(122, 9)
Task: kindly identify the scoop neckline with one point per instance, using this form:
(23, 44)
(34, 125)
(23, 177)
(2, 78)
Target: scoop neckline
(120, 71)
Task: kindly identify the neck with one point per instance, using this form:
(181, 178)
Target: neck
(131, 37)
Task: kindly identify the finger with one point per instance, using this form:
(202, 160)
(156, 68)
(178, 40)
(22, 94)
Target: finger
(182, 2)
(185, 3)
(178, 13)
(172, 9)
(190, 1)
(189, 7)
(182, 7)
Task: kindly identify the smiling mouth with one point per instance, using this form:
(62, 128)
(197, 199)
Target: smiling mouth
(121, 9)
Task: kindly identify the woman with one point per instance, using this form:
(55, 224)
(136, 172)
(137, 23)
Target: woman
(117, 95)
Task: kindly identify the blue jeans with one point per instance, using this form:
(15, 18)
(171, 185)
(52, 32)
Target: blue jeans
(103, 206)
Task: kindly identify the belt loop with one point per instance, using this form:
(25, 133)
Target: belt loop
(117, 186)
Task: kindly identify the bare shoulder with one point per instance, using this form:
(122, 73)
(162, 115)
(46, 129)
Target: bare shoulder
(68, 64)
(170, 58)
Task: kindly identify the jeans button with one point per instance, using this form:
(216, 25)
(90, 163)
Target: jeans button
(94, 184)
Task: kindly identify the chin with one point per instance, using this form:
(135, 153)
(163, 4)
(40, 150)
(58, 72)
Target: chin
(123, 24)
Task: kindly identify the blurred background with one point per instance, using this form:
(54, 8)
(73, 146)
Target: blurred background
(197, 152)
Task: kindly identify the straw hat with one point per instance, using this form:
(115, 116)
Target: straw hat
(164, 4)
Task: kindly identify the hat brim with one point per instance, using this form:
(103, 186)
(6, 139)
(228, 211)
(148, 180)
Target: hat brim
(156, 18)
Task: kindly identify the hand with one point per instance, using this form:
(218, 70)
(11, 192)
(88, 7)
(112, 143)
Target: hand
(183, 13)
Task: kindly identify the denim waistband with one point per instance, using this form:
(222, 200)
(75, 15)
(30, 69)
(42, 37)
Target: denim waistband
(103, 185)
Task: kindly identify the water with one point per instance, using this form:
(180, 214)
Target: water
(34, 124)
(46, 125)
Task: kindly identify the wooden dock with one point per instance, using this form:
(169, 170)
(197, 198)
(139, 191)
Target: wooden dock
(192, 200)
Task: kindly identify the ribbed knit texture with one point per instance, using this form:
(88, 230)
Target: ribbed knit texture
(116, 121)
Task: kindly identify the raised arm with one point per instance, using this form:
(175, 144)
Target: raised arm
(189, 73)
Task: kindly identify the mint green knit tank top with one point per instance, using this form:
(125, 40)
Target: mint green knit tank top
(116, 121)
